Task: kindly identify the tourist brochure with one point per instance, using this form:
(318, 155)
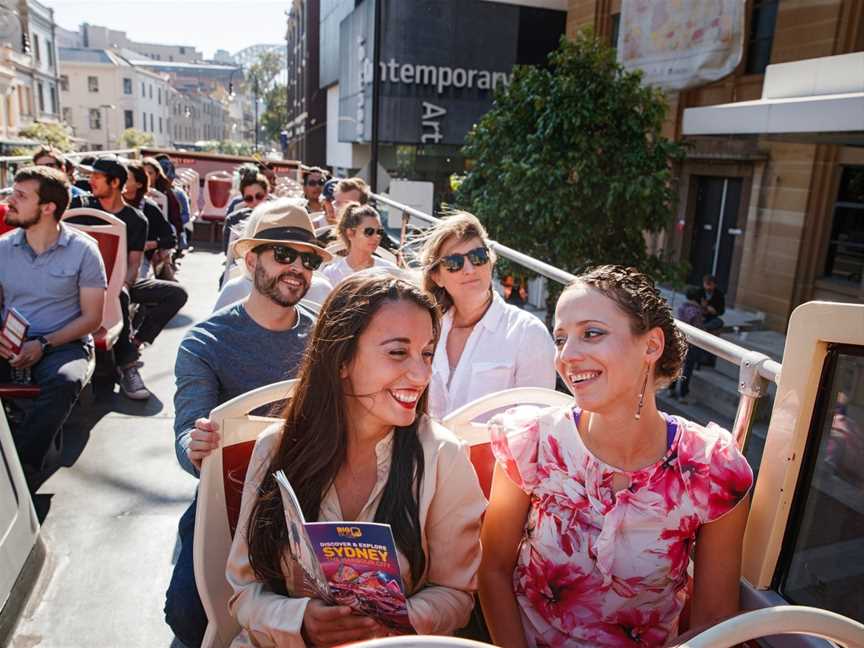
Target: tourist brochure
(346, 563)
(14, 329)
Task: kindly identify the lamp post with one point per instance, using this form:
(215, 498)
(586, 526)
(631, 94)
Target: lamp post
(107, 107)
(255, 93)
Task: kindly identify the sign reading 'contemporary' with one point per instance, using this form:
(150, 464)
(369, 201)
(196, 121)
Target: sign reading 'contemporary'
(441, 62)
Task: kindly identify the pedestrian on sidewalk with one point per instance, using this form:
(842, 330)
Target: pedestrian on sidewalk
(689, 312)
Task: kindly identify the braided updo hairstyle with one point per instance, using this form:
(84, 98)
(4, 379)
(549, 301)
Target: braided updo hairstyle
(636, 295)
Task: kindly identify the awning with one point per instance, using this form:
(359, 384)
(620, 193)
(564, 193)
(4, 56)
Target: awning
(816, 100)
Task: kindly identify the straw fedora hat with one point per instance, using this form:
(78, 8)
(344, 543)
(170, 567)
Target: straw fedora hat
(281, 221)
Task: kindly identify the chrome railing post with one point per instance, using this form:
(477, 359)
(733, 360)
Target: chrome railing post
(752, 386)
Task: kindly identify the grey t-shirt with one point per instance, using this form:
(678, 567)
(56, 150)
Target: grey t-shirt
(45, 288)
(227, 355)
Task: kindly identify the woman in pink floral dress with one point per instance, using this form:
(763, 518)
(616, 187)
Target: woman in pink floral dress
(595, 509)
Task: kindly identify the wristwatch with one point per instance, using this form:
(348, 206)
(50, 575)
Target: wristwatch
(46, 345)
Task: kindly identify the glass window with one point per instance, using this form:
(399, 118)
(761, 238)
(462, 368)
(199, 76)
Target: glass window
(144, 121)
(129, 119)
(95, 119)
(762, 22)
(49, 50)
(160, 125)
(64, 82)
(93, 83)
(127, 86)
(53, 90)
(615, 30)
(159, 94)
(150, 87)
(844, 260)
(36, 51)
(67, 114)
(41, 94)
(823, 563)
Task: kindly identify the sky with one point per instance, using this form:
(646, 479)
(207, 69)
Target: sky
(206, 24)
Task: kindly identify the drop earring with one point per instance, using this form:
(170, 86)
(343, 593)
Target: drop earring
(642, 394)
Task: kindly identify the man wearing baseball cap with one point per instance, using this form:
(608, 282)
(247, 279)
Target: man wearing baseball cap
(162, 299)
(249, 344)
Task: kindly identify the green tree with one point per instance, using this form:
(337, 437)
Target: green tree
(54, 134)
(265, 70)
(274, 115)
(134, 138)
(570, 166)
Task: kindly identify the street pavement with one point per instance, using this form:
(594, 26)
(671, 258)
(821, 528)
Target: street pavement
(110, 514)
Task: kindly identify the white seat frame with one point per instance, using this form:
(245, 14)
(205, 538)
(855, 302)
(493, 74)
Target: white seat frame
(212, 541)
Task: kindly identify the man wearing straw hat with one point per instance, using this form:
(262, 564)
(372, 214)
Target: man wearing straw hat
(252, 343)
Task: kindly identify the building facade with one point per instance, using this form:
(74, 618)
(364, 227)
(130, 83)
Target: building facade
(44, 69)
(104, 94)
(98, 37)
(778, 222)
(198, 117)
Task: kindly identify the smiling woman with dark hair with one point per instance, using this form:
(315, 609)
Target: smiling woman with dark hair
(356, 444)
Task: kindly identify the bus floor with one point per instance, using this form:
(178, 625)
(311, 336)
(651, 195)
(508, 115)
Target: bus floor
(110, 513)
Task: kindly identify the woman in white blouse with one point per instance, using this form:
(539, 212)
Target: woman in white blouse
(356, 444)
(486, 344)
(361, 230)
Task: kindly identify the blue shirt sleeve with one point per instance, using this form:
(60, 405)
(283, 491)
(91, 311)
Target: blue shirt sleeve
(197, 394)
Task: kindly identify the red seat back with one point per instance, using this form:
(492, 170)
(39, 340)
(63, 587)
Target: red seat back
(4, 208)
(235, 461)
(108, 244)
(220, 191)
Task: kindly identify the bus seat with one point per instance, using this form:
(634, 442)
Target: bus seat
(462, 422)
(110, 234)
(217, 194)
(13, 390)
(160, 199)
(3, 226)
(219, 494)
(779, 620)
(191, 183)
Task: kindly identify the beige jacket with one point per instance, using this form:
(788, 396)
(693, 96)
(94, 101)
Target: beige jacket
(451, 505)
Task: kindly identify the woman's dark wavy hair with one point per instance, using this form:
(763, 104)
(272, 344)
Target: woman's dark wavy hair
(637, 296)
(314, 438)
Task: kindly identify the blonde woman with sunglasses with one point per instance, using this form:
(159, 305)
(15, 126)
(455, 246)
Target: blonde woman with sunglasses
(486, 344)
(361, 231)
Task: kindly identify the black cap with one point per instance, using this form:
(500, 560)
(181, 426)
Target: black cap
(329, 188)
(110, 165)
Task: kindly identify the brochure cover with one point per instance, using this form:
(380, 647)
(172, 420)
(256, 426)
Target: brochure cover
(14, 329)
(347, 563)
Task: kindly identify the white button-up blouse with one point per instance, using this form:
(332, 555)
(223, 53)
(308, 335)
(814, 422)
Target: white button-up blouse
(508, 347)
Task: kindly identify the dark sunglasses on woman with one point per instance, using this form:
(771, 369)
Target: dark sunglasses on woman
(369, 232)
(315, 183)
(455, 262)
(287, 255)
(251, 197)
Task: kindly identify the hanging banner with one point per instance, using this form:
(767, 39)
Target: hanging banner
(680, 44)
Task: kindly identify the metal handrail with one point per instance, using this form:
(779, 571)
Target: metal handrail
(14, 159)
(755, 368)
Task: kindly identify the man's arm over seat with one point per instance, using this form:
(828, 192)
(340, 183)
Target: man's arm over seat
(196, 395)
(133, 264)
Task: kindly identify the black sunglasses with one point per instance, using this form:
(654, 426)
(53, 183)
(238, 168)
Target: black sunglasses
(314, 183)
(455, 262)
(371, 231)
(250, 197)
(287, 255)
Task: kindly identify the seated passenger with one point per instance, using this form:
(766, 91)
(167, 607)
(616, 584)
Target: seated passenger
(182, 200)
(160, 182)
(54, 277)
(253, 343)
(713, 304)
(328, 199)
(162, 299)
(600, 504)
(486, 345)
(361, 231)
(314, 179)
(356, 444)
(254, 189)
(161, 239)
(53, 158)
(238, 288)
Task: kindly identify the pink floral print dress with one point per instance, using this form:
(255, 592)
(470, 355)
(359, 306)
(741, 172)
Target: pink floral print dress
(596, 568)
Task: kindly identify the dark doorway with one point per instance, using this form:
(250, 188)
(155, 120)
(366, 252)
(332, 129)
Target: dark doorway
(715, 227)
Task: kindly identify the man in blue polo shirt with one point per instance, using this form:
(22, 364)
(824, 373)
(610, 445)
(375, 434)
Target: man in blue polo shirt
(54, 277)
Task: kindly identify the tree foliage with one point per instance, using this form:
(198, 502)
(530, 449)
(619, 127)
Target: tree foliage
(274, 116)
(55, 135)
(134, 138)
(570, 166)
(265, 70)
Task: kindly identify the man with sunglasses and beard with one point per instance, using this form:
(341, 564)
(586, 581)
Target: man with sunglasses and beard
(256, 342)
